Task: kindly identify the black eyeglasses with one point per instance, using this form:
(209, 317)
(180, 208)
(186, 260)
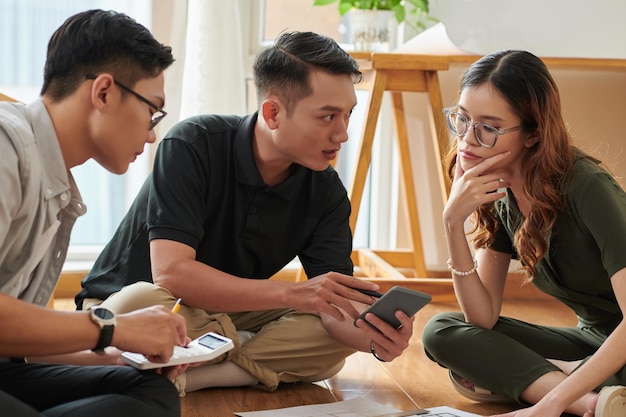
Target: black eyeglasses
(485, 134)
(158, 114)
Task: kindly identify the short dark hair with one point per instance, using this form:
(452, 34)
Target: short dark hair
(97, 41)
(284, 68)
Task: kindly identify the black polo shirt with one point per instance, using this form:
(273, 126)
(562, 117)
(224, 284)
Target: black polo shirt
(205, 191)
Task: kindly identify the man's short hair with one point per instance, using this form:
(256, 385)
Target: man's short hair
(284, 68)
(97, 41)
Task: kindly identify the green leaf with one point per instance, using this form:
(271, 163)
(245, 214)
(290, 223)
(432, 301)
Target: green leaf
(345, 6)
(413, 18)
(322, 2)
(398, 10)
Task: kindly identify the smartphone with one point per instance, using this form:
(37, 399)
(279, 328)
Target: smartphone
(397, 298)
(206, 347)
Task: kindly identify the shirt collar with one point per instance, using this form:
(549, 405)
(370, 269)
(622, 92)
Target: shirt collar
(247, 172)
(56, 180)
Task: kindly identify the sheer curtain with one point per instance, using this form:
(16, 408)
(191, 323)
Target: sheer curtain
(210, 40)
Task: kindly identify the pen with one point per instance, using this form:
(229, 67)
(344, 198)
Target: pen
(177, 306)
(368, 292)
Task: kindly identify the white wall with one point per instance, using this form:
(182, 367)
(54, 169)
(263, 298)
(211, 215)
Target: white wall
(557, 28)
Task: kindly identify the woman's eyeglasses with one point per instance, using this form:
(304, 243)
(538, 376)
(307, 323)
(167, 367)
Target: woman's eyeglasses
(485, 134)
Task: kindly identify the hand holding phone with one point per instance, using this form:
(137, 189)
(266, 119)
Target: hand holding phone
(397, 298)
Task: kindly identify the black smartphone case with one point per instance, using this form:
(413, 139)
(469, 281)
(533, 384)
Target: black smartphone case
(397, 298)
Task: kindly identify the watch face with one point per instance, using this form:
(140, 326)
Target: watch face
(103, 313)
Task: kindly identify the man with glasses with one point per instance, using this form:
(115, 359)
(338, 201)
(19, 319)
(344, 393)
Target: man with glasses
(87, 110)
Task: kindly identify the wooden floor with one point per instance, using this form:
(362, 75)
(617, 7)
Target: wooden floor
(410, 381)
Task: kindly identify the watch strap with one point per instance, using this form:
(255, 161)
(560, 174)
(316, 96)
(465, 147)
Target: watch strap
(105, 319)
(106, 336)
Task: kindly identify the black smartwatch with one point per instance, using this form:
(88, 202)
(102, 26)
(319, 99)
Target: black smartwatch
(105, 319)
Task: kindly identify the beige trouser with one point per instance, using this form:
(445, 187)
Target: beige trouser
(288, 346)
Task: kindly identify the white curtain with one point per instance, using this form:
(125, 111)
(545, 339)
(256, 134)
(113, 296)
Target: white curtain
(210, 41)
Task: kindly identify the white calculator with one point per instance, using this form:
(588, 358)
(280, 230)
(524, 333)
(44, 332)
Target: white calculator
(204, 348)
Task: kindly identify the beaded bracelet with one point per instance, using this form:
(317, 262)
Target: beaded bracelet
(462, 273)
(374, 352)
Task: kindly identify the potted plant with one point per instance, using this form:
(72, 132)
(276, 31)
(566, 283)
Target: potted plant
(417, 9)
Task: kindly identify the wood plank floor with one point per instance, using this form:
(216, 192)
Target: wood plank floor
(410, 381)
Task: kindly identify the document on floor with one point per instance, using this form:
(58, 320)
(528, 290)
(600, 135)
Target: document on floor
(356, 407)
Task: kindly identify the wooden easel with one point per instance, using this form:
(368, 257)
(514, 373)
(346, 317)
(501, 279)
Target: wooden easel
(6, 98)
(399, 73)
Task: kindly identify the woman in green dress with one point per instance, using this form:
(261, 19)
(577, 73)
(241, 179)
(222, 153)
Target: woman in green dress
(534, 197)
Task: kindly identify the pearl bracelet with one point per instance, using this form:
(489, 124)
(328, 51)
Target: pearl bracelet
(462, 273)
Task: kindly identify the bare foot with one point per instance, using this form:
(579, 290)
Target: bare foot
(466, 383)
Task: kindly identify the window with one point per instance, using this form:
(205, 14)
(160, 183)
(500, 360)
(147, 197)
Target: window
(25, 28)
(281, 15)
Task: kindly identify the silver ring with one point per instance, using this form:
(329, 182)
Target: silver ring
(374, 352)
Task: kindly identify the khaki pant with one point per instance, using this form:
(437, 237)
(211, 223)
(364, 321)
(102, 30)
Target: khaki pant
(288, 346)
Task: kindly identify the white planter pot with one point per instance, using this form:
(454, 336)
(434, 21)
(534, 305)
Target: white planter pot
(370, 29)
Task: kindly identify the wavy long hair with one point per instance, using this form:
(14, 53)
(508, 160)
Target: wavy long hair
(525, 83)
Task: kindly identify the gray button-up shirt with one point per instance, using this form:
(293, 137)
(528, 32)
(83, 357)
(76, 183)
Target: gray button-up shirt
(39, 203)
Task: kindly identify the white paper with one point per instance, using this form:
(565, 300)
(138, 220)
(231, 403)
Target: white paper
(356, 407)
(444, 411)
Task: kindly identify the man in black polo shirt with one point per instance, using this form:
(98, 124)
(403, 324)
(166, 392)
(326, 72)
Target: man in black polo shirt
(230, 202)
